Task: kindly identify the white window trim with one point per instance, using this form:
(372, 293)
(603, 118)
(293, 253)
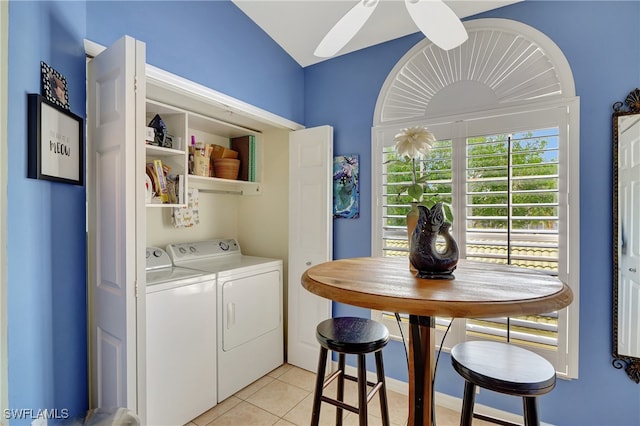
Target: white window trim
(403, 101)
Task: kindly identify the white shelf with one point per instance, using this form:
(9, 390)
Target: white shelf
(165, 205)
(224, 186)
(159, 150)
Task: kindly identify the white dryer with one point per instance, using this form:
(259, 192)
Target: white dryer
(181, 342)
(250, 338)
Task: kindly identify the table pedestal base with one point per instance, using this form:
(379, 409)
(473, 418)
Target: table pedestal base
(421, 362)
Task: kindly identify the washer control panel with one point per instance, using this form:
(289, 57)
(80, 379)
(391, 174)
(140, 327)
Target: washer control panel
(182, 252)
(157, 258)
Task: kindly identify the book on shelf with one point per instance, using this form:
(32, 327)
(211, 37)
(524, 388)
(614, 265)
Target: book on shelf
(175, 185)
(155, 183)
(171, 191)
(162, 188)
(180, 189)
(246, 147)
(252, 162)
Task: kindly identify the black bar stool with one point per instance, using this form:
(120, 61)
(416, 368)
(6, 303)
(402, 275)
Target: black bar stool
(348, 335)
(503, 368)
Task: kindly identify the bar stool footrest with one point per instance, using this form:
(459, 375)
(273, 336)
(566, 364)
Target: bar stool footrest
(375, 387)
(355, 379)
(339, 404)
(345, 406)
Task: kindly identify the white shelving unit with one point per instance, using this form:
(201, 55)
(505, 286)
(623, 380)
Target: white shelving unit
(175, 157)
(182, 124)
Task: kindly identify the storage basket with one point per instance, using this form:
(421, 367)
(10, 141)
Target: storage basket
(226, 168)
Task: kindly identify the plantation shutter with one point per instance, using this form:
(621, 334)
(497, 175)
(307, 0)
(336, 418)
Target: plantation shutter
(511, 206)
(502, 177)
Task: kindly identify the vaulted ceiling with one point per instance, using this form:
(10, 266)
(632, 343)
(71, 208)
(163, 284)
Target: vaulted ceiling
(299, 25)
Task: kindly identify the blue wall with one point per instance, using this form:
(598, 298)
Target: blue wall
(46, 246)
(214, 44)
(602, 45)
(209, 42)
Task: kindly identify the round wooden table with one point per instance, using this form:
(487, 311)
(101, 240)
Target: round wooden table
(479, 290)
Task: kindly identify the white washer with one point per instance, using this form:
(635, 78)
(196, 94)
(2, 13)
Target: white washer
(249, 309)
(181, 341)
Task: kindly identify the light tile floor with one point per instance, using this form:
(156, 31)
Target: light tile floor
(284, 397)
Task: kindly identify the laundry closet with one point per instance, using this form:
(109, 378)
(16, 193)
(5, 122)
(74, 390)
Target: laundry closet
(243, 229)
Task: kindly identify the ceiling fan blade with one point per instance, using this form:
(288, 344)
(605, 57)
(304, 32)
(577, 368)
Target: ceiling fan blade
(345, 28)
(437, 22)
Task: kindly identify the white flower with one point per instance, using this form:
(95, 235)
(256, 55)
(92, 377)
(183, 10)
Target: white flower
(414, 141)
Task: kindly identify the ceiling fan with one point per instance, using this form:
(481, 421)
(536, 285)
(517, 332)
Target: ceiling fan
(434, 18)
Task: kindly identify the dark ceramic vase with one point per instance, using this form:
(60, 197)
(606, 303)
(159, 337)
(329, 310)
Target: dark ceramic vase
(423, 253)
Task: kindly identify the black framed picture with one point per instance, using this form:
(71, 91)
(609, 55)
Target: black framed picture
(55, 142)
(54, 86)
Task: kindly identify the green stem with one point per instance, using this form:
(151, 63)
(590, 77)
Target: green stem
(413, 170)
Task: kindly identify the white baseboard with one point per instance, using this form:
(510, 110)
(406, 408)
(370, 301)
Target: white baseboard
(442, 399)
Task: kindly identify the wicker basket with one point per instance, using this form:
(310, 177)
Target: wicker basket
(226, 168)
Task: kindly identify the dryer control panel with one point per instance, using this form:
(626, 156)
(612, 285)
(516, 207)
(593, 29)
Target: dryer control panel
(202, 249)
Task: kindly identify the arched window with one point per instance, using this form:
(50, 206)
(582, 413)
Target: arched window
(504, 111)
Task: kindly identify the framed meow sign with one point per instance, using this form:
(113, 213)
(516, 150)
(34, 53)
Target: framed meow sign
(55, 139)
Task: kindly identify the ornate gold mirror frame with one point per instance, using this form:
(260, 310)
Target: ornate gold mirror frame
(626, 235)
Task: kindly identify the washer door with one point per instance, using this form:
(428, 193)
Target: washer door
(181, 353)
(250, 307)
